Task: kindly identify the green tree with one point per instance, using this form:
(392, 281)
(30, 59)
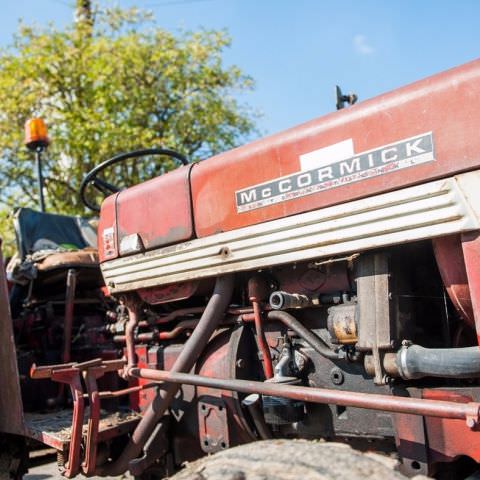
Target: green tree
(110, 82)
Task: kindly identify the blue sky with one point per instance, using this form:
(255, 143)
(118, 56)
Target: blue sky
(297, 50)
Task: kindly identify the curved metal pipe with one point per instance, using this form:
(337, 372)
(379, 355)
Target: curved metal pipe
(313, 340)
(257, 292)
(167, 334)
(194, 346)
(132, 307)
(182, 312)
(262, 341)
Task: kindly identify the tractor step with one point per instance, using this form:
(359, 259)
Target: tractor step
(55, 429)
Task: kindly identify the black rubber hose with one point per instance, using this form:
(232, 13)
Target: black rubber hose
(313, 340)
(418, 362)
(193, 348)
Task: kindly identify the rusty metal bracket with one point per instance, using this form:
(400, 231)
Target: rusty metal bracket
(154, 448)
(213, 424)
(412, 444)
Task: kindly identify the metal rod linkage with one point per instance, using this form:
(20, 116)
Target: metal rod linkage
(415, 406)
(69, 311)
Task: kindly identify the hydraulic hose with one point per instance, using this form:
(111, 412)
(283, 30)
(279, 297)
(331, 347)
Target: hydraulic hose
(195, 345)
(313, 340)
(418, 362)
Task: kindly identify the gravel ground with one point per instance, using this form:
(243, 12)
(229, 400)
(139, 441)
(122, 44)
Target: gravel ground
(50, 470)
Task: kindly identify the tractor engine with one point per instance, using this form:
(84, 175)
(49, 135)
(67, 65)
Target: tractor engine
(347, 323)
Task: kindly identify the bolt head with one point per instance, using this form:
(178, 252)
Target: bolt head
(336, 376)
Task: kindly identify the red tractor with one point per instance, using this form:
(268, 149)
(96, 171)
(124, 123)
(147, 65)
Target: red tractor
(321, 283)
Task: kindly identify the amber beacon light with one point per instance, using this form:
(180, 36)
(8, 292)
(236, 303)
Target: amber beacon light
(36, 135)
(36, 139)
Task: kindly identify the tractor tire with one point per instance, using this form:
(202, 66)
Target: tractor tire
(289, 460)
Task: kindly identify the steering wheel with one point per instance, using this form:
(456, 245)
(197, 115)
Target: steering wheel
(106, 188)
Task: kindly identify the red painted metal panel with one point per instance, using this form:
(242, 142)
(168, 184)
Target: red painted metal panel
(159, 210)
(145, 356)
(449, 438)
(107, 228)
(471, 255)
(11, 405)
(451, 264)
(448, 105)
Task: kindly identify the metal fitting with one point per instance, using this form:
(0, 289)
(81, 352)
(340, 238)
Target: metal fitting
(282, 300)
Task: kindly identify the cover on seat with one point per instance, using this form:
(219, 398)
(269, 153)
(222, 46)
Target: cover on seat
(35, 228)
(88, 257)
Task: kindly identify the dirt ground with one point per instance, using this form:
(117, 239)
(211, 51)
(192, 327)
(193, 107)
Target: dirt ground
(50, 471)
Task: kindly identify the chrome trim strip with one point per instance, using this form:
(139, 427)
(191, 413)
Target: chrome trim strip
(425, 211)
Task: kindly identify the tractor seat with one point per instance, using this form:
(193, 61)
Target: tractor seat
(85, 258)
(43, 231)
(49, 245)
(52, 270)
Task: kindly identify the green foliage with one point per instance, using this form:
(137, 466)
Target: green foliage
(118, 85)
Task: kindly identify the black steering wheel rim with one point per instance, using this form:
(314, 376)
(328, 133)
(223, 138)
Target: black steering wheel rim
(92, 174)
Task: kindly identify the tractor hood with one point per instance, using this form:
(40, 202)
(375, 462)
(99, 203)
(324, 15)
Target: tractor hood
(147, 216)
(425, 131)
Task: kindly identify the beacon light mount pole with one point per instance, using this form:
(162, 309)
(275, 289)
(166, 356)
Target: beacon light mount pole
(36, 140)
